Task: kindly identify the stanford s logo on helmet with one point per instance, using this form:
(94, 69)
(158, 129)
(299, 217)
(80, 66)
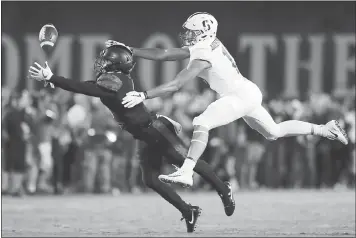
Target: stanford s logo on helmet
(200, 26)
(116, 58)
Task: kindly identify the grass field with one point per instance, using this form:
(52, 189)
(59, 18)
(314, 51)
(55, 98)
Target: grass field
(261, 213)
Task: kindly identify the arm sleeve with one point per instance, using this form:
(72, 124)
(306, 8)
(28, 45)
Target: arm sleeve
(76, 86)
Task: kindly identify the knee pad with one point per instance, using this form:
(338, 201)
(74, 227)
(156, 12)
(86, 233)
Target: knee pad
(271, 137)
(201, 121)
(200, 134)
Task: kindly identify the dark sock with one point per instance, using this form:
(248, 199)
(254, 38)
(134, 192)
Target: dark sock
(167, 193)
(204, 170)
(171, 196)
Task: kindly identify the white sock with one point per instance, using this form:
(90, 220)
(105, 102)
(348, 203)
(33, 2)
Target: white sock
(318, 130)
(295, 128)
(188, 165)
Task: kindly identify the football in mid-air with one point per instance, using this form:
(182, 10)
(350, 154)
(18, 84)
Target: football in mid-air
(48, 35)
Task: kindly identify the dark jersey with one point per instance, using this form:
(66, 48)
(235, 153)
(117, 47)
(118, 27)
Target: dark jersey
(130, 118)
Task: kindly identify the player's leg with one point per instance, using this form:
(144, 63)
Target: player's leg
(260, 120)
(221, 112)
(175, 153)
(151, 161)
(223, 189)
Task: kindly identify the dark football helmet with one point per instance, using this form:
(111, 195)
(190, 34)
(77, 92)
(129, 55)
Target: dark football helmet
(116, 58)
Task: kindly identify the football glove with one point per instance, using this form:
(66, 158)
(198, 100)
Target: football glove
(109, 43)
(133, 98)
(41, 74)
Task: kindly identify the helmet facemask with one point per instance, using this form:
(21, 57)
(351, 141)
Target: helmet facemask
(101, 66)
(189, 37)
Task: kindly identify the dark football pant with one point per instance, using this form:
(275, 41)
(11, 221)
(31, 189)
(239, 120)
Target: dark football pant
(162, 141)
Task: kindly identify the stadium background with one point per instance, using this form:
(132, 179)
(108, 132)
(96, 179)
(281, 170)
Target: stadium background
(301, 55)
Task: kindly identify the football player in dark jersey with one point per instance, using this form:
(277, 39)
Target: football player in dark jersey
(159, 133)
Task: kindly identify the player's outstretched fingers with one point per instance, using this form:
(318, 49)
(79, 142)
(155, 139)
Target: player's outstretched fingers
(131, 93)
(126, 104)
(35, 69)
(32, 74)
(130, 104)
(108, 43)
(39, 66)
(125, 100)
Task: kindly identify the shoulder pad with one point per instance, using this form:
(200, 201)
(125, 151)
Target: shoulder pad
(202, 53)
(201, 45)
(109, 81)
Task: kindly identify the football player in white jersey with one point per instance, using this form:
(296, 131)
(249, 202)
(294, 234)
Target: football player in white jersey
(239, 97)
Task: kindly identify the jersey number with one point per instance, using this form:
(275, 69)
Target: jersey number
(230, 58)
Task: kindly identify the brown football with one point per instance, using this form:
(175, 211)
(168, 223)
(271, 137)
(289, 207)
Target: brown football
(48, 35)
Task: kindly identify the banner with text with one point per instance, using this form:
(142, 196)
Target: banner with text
(286, 48)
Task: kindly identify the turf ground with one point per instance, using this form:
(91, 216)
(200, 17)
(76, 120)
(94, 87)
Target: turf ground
(261, 213)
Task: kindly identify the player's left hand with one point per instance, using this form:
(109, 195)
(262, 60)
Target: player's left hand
(133, 98)
(41, 74)
(109, 43)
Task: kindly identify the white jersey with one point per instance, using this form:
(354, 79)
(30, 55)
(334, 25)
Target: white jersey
(223, 77)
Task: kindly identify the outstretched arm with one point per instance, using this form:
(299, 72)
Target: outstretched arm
(133, 98)
(155, 53)
(184, 76)
(88, 88)
(161, 54)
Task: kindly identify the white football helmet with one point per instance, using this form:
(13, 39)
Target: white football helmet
(199, 26)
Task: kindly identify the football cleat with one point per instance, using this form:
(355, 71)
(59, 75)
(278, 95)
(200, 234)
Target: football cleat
(228, 200)
(181, 177)
(335, 132)
(191, 218)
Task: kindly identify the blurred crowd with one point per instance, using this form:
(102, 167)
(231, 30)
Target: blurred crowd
(58, 142)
